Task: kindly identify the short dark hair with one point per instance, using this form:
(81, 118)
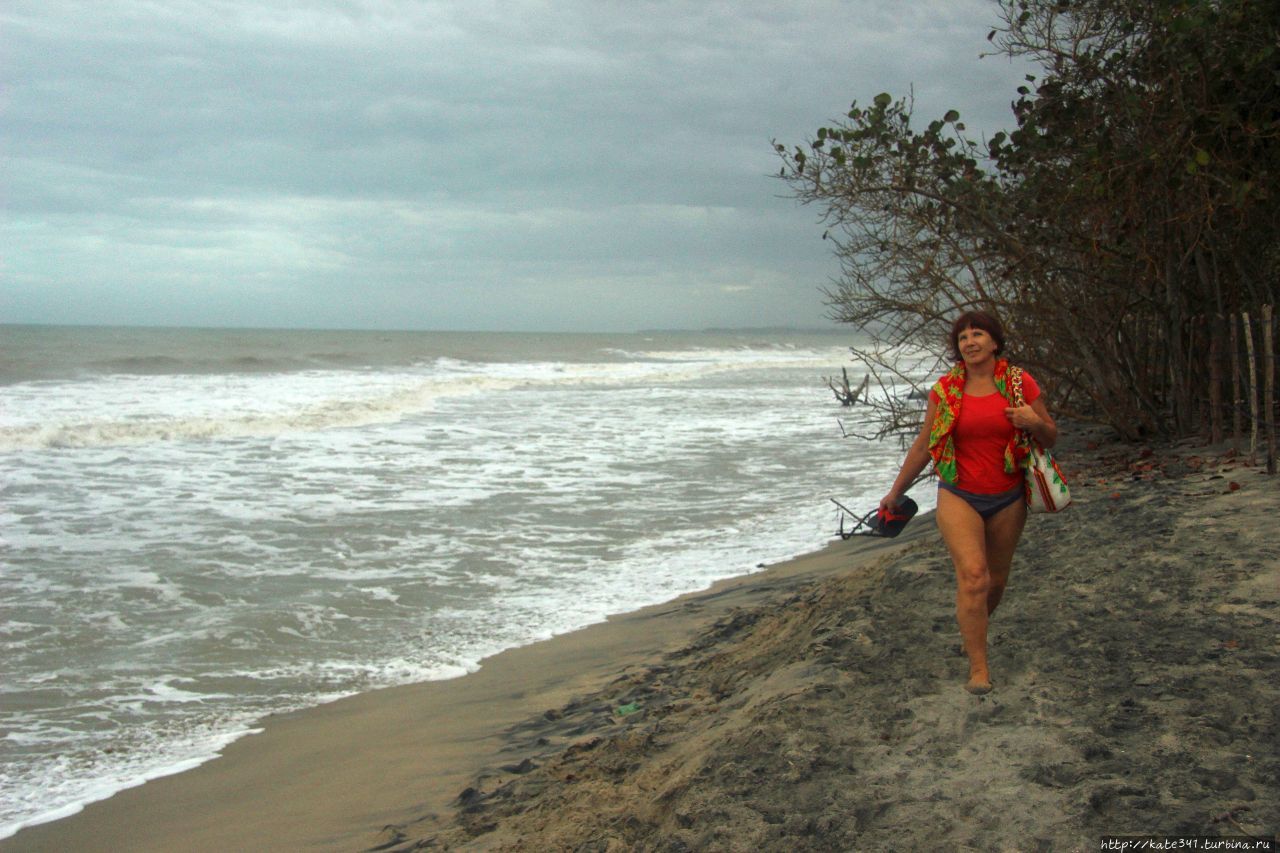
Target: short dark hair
(976, 320)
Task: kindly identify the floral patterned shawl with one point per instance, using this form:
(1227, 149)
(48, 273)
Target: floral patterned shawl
(942, 446)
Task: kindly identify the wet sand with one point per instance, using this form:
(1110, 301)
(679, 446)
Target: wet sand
(818, 705)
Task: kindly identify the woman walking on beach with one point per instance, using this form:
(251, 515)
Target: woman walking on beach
(971, 433)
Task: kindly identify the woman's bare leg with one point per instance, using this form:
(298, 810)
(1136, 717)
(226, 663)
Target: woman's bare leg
(965, 535)
(1004, 529)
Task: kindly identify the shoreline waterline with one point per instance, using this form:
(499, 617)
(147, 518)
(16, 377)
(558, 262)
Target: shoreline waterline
(218, 743)
(496, 694)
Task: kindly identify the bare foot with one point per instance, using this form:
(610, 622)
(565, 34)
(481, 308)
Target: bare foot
(978, 686)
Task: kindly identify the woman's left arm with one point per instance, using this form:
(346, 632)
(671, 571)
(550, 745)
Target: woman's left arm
(1035, 419)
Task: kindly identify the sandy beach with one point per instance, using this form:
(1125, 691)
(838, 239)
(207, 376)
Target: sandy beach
(817, 705)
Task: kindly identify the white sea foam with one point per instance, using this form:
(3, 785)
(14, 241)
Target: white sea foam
(126, 409)
(73, 792)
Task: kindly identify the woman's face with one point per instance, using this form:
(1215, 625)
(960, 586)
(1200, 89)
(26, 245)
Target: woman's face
(976, 345)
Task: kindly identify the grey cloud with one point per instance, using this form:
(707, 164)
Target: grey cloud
(167, 159)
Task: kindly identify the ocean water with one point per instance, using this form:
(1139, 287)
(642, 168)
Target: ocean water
(202, 527)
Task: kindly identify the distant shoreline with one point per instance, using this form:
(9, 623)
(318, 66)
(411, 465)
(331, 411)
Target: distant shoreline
(710, 330)
(758, 330)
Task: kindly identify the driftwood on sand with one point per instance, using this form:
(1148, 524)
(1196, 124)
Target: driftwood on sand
(844, 394)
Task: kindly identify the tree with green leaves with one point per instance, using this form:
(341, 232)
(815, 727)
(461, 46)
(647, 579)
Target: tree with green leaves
(1133, 205)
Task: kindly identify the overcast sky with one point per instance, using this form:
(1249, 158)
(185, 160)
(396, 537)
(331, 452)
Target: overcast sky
(444, 164)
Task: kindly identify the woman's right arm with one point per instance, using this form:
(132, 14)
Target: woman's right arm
(917, 458)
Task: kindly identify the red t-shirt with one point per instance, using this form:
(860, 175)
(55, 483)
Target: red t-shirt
(981, 434)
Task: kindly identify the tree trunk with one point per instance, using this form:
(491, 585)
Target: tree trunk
(1237, 400)
(1268, 387)
(1253, 381)
(1215, 380)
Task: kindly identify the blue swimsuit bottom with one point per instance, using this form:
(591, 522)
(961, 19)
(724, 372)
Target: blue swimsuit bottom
(986, 505)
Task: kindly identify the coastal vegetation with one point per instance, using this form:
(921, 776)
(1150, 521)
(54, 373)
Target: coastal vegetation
(1126, 229)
